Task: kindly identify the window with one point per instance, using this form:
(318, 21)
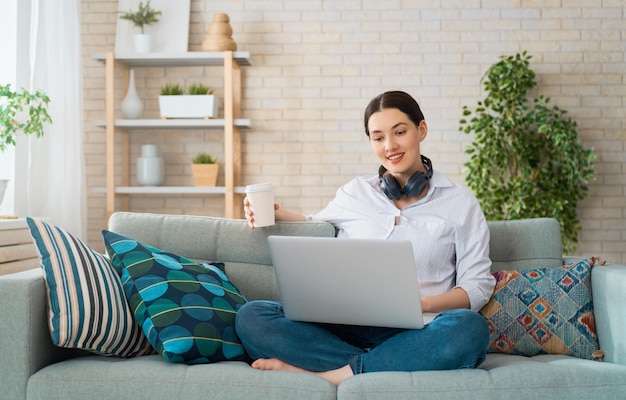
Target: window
(8, 74)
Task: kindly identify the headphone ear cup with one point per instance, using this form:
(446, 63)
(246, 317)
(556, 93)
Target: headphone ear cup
(390, 186)
(415, 184)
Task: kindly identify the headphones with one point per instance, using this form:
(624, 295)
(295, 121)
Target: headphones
(414, 186)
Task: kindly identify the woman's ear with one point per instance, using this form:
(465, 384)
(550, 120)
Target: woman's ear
(423, 130)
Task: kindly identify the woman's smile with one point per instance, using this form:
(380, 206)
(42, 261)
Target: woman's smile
(395, 158)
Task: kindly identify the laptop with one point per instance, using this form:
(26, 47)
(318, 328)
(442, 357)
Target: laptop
(370, 282)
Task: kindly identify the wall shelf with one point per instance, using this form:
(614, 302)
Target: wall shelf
(231, 123)
(174, 123)
(176, 189)
(189, 59)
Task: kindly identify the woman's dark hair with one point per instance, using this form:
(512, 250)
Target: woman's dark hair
(394, 99)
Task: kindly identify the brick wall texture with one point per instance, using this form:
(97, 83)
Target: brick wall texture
(316, 64)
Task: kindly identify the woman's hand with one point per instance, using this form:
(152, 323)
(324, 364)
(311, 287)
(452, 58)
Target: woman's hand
(455, 298)
(282, 215)
(247, 211)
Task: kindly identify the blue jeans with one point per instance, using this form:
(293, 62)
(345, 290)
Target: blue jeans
(454, 339)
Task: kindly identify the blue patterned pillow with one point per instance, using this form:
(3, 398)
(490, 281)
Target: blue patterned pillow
(87, 308)
(187, 310)
(543, 311)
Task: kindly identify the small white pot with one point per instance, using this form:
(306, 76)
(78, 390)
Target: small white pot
(143, 43)
(188, 106)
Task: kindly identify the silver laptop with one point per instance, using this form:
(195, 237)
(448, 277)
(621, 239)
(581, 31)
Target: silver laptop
(371, 282)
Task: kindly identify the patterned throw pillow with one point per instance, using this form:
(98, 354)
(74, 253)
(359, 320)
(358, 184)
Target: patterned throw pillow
(87, 308)
(543, 311)
(187, 310)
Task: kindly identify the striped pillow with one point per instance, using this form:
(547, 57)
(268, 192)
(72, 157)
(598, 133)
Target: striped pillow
(87, 308)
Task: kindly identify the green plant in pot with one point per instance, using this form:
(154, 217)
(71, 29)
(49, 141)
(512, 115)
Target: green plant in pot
(21, 112)
(203, 158)
(526, 159)
(205, 169)
(144, 16)
(198, 103)
(199, 89)
(171, 89)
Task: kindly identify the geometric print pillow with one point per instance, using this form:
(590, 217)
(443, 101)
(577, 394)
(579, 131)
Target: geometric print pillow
(543, 311)
(87, 308)
(187, 310)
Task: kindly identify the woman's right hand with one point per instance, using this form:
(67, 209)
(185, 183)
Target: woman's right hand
(247, 211)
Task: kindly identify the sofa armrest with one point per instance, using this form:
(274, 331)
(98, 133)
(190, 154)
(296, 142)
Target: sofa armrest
(607, 284)
(25, 343)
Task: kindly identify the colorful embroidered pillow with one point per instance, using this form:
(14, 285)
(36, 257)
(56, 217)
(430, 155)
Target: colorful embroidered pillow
(543, 311)
(87, 308)
(187, 310)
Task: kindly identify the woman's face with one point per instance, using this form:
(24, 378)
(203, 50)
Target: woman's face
(395, 140)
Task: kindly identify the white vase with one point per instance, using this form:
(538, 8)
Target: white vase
(143, 43)
(150, 166)
(132, 106)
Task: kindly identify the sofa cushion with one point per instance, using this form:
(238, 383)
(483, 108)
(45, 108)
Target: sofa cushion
(543, 311)
(186, 309)
(525, 244)
(87, 308)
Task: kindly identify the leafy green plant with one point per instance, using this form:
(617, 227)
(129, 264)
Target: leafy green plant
(203, 158)
(526, 160)
(171, 89)
(174, 89)
(199, 89)
(21, 111)
(144, 16)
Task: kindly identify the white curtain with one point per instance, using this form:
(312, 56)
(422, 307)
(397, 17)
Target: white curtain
(56, 179)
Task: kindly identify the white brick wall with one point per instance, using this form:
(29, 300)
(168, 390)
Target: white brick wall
(316, 64)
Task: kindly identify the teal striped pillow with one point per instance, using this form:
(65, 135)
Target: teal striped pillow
(87, 308)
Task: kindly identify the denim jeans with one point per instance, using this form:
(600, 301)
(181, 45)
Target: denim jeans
(454, 339)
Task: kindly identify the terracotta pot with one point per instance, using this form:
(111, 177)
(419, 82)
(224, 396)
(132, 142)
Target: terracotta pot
(205, 174)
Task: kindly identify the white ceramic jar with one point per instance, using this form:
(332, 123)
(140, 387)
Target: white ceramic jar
(150, 166)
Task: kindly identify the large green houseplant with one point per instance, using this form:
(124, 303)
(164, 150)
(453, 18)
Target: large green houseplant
(526, 159)
(20, 112)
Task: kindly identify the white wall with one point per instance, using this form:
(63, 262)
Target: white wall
(316, 64)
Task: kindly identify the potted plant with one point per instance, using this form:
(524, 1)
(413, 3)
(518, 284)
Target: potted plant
(144, 16)
(205, 169)
(198, 103)
(526, 159)
(20, 112)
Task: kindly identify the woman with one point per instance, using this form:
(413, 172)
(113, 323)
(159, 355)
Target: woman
(406, 200)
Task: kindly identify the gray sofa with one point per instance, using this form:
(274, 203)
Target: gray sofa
(32, 368)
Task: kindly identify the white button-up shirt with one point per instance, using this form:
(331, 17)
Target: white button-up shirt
(447, 228)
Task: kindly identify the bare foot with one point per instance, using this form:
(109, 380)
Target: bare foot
(335, 376)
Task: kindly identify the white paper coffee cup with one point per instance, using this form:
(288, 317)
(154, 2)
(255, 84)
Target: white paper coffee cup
(261, 197)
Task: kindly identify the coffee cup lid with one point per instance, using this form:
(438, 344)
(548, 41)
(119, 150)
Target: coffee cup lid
(259, 187)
